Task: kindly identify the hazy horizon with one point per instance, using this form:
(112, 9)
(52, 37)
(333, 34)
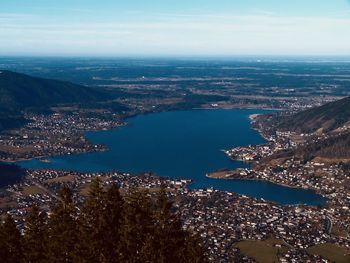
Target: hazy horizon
(163, 28)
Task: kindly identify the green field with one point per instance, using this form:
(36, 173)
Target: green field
(262, 251)
(332, 252)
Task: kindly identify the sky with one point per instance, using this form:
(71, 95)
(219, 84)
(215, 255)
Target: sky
(174, 27)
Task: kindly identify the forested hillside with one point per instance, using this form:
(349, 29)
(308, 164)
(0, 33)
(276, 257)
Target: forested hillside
(19, 92)
(327, 117)
(336, 148)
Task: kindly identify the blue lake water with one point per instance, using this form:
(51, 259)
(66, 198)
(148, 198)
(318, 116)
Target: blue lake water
(181, 144)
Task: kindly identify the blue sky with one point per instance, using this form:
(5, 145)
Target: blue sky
(174, 27)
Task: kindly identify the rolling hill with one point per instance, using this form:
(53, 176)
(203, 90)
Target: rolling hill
(334, 146)
(334, 149)
(20, 93)
(327, 118)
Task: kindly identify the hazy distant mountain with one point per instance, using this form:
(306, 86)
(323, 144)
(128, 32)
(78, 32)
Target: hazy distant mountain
(327, 117)
(19, 92)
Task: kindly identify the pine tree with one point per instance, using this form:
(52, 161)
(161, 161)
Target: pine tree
(62, 229)
(112, 224)
(169, 235)
(194, 252)
(90, 226)
(138, 226)
(148, 252)
(110, 229)
(34, 247)
(11, 250)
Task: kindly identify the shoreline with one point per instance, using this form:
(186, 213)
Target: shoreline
(258, 179)
(240, 108)
(252, 117)
(272, 182)
(49, 156)
(125, 123)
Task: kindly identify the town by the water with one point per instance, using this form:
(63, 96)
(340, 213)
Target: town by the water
(226, 221)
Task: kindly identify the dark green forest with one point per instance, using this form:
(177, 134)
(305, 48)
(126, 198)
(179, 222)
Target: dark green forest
(20, 93)
(107, 227)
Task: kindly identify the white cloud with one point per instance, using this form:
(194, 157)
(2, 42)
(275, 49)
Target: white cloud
(262, 33)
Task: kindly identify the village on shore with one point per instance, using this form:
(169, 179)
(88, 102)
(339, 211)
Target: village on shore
(224, 220)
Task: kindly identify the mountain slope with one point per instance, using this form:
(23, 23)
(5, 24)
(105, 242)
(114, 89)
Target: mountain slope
(335, 148)
(19, 92)
(327, 117)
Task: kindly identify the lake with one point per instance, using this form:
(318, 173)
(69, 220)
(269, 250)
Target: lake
(181, 144)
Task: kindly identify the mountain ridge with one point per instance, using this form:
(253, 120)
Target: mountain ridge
(328, 117)
(330, 124)
(20, 93)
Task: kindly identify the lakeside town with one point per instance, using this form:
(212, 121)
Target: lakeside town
(174, 131)
(54, 134)
(63, 131)
(224, 220)
(227, 222)
(324, 177)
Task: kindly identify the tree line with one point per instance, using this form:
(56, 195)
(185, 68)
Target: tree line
(107, 227)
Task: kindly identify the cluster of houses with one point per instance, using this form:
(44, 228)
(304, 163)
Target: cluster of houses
(54, 134)
(221, 218)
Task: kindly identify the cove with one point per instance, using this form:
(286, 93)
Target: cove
(181, 144)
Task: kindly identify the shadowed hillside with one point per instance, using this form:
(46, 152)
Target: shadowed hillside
(20, 93)
(333, 146)
(335, 149)
(327, 117)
